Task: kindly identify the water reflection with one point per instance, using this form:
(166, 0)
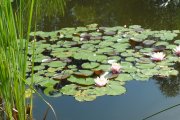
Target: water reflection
(108, 13)
(170, 86)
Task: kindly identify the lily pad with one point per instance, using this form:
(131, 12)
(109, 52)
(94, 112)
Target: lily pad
(63, 75)
(51, 92)
(56, 64)
(83, 73)
(69, 89)
(90, 65)
(145, 66)
(84, 96)
(82, 81)
(115, 88)
(124, 77)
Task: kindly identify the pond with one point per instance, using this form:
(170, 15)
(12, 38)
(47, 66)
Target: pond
(141, 98)
(110, 13)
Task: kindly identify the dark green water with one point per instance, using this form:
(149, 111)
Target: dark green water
(142, 98)
(110, 13)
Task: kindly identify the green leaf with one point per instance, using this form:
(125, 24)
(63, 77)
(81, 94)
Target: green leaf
(124, 77)
(115, 88)
(69, 89)
(90, 65)
(57, 64)
(82, 81)
(51, 92)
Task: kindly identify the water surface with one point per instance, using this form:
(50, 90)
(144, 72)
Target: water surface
(110, 13)
(142, 98)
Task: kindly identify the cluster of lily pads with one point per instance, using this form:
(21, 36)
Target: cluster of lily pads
(72, 61)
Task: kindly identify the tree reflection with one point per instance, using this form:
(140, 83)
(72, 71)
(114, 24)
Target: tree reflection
(147, 13)
(170, 86)
(80, 13)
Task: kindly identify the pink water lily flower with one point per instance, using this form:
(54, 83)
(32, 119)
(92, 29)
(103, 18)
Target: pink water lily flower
(101, 81)
(177, 50)
(115, 68)
(158, 56)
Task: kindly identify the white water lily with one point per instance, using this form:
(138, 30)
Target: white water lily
(158, 56)
(115, 68)
(177, 50)
(101, 81)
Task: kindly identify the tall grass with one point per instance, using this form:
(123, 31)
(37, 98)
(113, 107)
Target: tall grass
(13, 57)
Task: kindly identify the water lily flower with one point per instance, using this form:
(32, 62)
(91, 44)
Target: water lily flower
(115, 68)
(101, 81)
(158, 56)
(177, 50)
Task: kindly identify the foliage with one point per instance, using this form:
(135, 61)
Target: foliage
(85, 51)
(13, 53)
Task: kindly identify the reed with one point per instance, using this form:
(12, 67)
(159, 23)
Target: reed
(13, 59)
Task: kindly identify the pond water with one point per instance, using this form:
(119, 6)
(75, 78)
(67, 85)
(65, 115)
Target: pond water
(142, 98)
(146, 13)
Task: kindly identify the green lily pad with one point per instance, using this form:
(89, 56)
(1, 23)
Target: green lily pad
(82, 81)
(28, 93)
(72, 66)
(106, 43)
(37, 79)
(139, 77)
(177, 42)
(98, 58)
(63, 75)
(105, 50)
(57, 64)
(130, 59)
(51, 92)
(62, 54)
(173, 72)
(47, 82)
(69, 89)
(103, 67)
(83, 73)
(115, 88)
(51, 70)
(90, 65)
(130, 69)
(126, 64)
(124, 77)
(38, 68)
(162, 43)
(84, 96)
(149, 72)
(145, 66)
(92, 26)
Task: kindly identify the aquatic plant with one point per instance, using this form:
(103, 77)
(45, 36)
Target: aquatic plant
(64, 60)
(13, 62)
(101, 81)
(158, 56)
(115, 68)
(177, 50)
